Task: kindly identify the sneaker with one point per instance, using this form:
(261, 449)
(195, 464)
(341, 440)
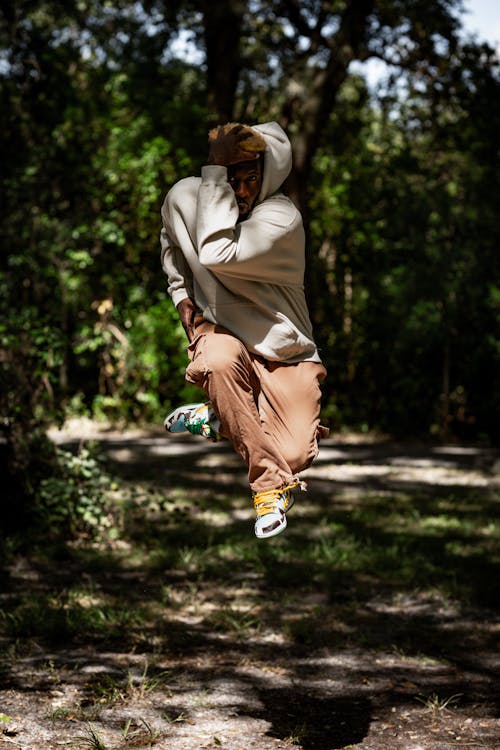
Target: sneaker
(271, 508)
(198, 419)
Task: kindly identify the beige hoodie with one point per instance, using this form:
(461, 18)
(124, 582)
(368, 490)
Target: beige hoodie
(247, 276)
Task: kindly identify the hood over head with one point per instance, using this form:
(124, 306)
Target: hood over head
(277, 158)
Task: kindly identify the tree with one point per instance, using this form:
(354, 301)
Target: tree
(404, 218)
(83, 169)
(99, 117)
(295, 58)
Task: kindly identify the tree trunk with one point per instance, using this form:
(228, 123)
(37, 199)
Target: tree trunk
(222, 22)
(308, 109)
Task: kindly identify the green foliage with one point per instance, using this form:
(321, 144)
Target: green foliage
(75, 500)
(30, 357)
(141, 358)
(156, 361)
(84, 257)
(63, 616)
(399, 216)
(32, 353)
(398, 193)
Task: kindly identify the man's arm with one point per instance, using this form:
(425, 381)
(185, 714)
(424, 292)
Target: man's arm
(180, 278)
(173, 262)
(268, 246)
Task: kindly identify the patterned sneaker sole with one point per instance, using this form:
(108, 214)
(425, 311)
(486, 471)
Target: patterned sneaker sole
(275, 527)
(174, 422)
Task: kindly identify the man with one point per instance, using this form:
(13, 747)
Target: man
(233, 251)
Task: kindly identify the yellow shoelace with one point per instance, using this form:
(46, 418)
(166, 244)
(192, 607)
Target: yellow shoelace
(265, 502)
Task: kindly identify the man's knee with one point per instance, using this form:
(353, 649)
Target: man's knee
(225, 352)
(221, 354)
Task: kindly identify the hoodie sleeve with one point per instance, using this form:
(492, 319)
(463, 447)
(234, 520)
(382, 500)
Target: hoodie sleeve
(268, 246)
(174, 264)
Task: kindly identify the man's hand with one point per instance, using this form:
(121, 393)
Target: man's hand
(234, 143)
(187, 311)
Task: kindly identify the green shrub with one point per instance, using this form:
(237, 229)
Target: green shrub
(76, 499)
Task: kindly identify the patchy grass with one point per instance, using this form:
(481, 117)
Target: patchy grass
(434, 704)
(375, 611)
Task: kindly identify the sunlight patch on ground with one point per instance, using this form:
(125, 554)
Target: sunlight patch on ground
(406, 473)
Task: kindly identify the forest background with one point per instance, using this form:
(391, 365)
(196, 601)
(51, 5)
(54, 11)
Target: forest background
(102, 111)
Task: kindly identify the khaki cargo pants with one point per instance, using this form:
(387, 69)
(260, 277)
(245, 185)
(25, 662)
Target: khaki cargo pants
(269, 411)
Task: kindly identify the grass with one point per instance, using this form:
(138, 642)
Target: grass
(140, 732)
(435, 705)
(90, 740)
(357, 570)
(135, 734)
(400, 541)
(66, 615)
(110, 690)
(296, 735)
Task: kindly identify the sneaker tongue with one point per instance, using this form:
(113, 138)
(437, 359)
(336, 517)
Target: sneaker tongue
(267, 502)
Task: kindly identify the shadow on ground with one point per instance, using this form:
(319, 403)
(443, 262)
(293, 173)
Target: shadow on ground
(373, 622)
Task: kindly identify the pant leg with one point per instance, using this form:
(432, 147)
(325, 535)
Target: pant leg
(289, 406)
(223, 367)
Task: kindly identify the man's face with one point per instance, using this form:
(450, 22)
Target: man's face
(246, 180)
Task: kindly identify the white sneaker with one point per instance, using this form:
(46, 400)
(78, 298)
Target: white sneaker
(271, 508)
(198, 419)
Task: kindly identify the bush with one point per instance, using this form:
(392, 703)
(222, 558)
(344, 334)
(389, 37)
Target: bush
(76, 500)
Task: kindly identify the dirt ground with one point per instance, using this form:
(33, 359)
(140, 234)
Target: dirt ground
(260, 652)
